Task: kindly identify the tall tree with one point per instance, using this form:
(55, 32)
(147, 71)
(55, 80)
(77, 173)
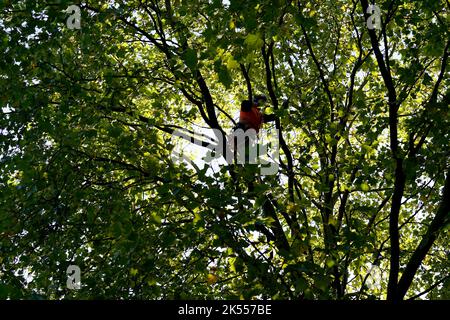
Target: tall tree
(360, 205)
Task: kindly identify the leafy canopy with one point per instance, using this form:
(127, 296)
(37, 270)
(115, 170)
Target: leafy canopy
(358, 210)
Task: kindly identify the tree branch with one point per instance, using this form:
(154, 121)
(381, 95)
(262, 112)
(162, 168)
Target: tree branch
(441, 219)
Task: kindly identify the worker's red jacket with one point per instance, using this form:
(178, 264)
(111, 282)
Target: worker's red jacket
(253, 118)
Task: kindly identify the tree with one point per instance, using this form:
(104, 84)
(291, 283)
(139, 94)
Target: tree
(359, 208)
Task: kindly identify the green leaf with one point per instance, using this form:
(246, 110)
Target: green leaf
(364, 187)
(254, 41)
(190, 58)
(225, 78)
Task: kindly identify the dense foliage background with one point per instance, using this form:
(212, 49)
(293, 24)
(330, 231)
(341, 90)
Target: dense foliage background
(359, 208)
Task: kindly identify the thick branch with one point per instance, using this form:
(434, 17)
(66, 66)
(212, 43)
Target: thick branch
(441, 219)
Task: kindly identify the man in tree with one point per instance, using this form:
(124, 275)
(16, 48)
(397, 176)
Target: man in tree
(251, 116)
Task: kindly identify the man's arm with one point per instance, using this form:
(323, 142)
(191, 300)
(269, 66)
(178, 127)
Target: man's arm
(269, 117)
(272, 117)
